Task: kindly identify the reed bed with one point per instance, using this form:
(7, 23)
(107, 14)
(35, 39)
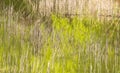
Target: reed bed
(60, 36)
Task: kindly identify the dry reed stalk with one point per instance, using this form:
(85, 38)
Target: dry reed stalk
(77, 6)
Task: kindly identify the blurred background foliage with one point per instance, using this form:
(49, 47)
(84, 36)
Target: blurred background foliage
(56, 43)
(21, 6)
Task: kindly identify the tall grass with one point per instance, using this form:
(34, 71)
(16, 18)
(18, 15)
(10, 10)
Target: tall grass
(58, 44)
(82, 45)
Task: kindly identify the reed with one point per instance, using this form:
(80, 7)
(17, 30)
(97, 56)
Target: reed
(56, 42)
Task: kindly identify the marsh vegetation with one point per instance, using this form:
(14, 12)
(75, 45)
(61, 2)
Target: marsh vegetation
(39, 36)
